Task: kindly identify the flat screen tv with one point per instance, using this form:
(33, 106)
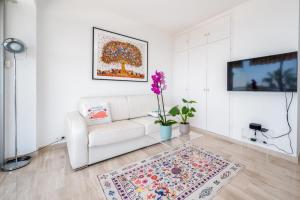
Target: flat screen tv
(277, 73)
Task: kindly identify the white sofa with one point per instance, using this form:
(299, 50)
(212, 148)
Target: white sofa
(127, 132)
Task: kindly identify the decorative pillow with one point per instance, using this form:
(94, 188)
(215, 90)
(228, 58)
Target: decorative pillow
(96, 113)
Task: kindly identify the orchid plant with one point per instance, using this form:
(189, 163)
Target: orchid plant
(158, 86)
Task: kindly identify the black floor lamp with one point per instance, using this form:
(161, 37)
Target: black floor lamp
(14, 46)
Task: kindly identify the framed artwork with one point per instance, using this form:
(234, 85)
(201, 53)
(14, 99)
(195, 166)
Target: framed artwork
(119, 57)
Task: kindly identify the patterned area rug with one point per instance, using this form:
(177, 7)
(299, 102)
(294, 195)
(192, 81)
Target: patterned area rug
(187, 172)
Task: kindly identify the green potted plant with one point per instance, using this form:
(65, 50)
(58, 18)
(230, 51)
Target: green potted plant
(158, 86)
(184, 113)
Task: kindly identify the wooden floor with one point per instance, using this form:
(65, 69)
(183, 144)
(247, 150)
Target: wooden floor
(49, 176)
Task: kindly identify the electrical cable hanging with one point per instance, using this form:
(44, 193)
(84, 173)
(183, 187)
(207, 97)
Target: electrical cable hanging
(287, 108)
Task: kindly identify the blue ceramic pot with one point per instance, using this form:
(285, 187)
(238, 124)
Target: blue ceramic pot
(165, 132)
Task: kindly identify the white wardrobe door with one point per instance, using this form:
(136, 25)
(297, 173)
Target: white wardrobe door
(180, 70)
(197, 37)
(217, 95)
(197, 84)
(218, 29)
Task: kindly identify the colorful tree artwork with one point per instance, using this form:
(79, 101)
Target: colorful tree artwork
(119, 57)
(123, 53)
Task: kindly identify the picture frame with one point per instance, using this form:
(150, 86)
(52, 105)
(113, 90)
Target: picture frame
(119, 57)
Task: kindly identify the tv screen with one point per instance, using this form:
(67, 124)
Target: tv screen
(277, 73)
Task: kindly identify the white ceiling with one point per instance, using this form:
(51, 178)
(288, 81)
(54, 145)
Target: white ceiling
(169, 15)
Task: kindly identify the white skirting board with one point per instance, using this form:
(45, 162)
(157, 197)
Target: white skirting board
(252, 146)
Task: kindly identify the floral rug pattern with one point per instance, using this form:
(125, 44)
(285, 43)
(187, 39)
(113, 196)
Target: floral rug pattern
(187, 172)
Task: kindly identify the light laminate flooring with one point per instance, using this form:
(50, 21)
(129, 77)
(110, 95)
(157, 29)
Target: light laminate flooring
(50, 176)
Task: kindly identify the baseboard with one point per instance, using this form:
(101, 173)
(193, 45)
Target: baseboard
(252, 146)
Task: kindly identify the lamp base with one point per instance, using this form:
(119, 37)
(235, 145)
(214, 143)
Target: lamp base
(11, 165)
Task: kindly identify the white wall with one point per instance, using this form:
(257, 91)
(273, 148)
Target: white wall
(65, 59)
(259, 28)
(21, 24)
(264, 27)
(2, 146)
(298, 116)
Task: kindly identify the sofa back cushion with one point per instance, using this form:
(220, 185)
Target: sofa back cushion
(141, 105)
(118, 105)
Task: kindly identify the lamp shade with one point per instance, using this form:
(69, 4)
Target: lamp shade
(13, 45)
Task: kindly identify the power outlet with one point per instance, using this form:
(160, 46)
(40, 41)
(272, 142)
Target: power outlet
(7, 64)
(59, 139)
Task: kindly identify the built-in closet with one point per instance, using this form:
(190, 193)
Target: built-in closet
(200, 72)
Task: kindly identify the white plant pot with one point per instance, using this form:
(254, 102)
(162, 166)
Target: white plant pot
(184, 128)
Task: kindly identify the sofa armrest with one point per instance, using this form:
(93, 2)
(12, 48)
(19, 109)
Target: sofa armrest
(77, 139)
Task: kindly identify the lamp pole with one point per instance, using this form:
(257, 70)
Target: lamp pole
(16, 113)
(14, 46)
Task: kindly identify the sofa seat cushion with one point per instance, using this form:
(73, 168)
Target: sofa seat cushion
(119, 131)
(150, 126)
(148, 123)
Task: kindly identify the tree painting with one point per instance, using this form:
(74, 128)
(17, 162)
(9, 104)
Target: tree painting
(119, 57)
(124, 53)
